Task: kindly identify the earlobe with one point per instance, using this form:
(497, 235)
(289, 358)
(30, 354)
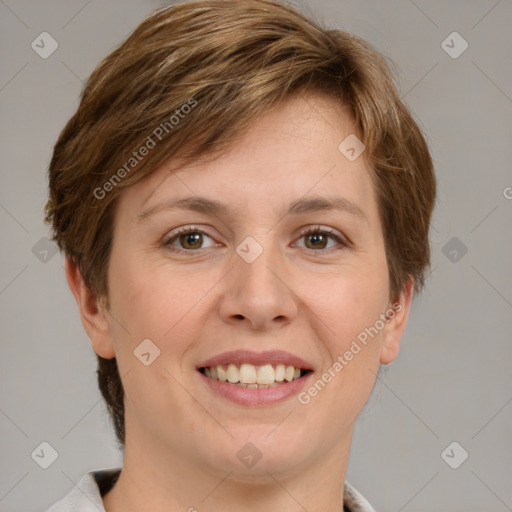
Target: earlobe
(395, 326)
(93, 313)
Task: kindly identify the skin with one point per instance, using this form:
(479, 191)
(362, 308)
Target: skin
(300, 295)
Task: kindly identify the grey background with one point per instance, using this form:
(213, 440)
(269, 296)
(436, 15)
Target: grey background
(452, 379)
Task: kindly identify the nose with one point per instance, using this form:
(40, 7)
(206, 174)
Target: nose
(257, 294)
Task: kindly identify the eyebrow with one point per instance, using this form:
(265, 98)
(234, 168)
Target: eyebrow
(298, 207)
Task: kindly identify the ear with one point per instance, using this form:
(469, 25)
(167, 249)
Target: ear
(395, 326)
(93, 313)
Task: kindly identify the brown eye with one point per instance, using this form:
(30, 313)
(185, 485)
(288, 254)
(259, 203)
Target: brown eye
(318, 239)
(192, 240)
(187, 239)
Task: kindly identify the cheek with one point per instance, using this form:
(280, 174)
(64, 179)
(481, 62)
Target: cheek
(157, 303)
(351, 308)
(347, 302)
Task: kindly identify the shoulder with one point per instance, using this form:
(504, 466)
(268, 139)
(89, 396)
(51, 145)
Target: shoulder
(86, 496)
(353, 501)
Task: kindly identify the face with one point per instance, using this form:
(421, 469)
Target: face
(266, 277)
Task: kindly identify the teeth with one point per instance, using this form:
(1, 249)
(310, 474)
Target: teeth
(254, 386)
(266, 374)
(289, 373)
(280, 371)
(233, 374)
(250, 376)
(222, 374)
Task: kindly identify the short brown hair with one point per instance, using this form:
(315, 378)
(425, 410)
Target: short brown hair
(229, 62)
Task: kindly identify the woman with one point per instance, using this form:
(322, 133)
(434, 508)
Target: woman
(243, 201)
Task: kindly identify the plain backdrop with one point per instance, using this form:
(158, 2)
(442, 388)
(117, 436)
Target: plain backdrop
(452, 380)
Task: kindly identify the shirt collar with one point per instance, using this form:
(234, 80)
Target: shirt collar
(87, 495)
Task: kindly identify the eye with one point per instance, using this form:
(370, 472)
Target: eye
(318, 238)
(189, 238)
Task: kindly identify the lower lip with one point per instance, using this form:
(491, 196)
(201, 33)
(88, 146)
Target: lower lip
(257, 396)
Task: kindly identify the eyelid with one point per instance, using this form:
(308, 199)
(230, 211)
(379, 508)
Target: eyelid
(340, 238)
(175, 233)
(342, 241)
(183, 229)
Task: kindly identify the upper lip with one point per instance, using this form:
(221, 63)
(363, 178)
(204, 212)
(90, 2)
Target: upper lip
(256, 359)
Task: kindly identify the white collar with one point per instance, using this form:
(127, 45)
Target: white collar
(87, 494)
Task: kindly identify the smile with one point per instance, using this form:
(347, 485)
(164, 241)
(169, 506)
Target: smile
(253, 378)
(249, 376)
(253, 394)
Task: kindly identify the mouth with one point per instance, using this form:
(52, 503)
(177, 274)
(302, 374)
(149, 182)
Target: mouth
(249, 376)
(254, 385)
(255, 378)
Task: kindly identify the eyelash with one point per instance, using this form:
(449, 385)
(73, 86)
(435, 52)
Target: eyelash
(309, 231)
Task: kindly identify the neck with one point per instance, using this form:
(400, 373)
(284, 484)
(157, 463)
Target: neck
(156, 480)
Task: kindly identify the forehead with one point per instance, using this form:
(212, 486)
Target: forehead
(290, 152)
